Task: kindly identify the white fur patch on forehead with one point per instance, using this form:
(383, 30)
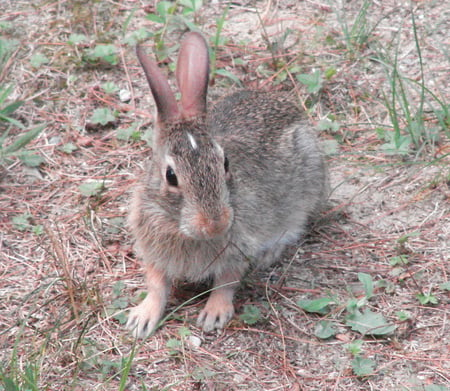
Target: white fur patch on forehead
(192, 141)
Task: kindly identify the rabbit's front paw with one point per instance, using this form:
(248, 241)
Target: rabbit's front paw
(144, 318)
(217, 313)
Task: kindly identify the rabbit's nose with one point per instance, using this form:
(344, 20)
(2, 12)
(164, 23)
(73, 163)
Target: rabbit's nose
(213, 226)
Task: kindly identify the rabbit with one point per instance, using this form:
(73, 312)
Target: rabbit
(225, 188)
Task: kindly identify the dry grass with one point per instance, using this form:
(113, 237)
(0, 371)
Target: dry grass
(62, 290)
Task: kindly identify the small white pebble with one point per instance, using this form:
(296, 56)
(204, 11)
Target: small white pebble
(194, 341)
(124, 95)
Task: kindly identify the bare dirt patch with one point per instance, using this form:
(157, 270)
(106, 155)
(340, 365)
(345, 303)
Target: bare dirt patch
(68, 270)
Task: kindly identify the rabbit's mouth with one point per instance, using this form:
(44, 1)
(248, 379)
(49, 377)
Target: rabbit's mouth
(202, 226)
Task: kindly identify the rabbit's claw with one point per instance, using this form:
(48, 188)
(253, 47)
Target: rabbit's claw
(217, 313)
(143, 319)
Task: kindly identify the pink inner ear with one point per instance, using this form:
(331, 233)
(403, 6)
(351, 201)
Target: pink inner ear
(166, 103)
(193, 74)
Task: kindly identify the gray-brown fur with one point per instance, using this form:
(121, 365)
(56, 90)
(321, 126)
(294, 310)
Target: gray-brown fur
(214, 223)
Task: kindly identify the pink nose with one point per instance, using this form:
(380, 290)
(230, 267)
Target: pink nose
(211, 227)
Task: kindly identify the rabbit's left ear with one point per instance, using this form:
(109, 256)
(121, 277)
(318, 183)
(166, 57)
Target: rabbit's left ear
(166, 103)
(193, 74)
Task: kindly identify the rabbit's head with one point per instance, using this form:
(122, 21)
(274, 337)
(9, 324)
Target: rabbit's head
(189, 168)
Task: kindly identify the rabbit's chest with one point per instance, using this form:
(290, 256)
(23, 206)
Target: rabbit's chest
(195, 260)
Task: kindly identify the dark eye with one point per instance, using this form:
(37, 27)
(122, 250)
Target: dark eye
(171, 177)
(226, 164)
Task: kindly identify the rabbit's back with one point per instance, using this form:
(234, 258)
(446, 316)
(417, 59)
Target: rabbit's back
(279, 177)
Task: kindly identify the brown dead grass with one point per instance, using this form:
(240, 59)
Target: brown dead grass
(61, 290)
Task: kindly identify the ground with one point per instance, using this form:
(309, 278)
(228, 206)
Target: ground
(381, 247)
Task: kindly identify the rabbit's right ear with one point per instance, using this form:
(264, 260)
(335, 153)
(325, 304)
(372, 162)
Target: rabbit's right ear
(166, 103)
(193, 74)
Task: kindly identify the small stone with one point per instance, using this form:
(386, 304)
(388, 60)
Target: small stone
(124, 96)
(194, 341)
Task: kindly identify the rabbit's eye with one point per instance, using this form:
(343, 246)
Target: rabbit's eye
(226, 164)
(171, 177)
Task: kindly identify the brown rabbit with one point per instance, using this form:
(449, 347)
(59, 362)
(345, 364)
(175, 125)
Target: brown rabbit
(225, 188)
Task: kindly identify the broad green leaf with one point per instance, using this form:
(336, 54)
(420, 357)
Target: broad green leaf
(107, 52)
(312, 81)
(31, 159)
(184, 332)
(405, 238)
(445, 286)
(102, 116)
(402, 146)
(110, 87)
(118, 287)
(324, 329)
(398, 260)
(319, 306)
(327, 124)
(38, 59)
(369, 323)
(22, 222)
(155, 18)
(174, 345)
(363, 366)
(436, 387)
(403, 316)
(138, 36)
(250, 315)
(427, 298)
(37, 229)
(329, 73)
(355, 347)
(164, 8)
(120, 303)
(129, 133)
(194, 5)
(75, 39)
(89, 189)
(69, 148)
(366, 280)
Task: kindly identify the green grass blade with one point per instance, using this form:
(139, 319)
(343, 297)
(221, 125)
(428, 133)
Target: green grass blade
(24, 139)
(127, 368)
(219, 23)
(9, 109)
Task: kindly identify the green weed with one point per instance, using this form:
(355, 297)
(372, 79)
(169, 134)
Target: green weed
(102, 54)
(14, 146)
(359, 318)
(103, 116)
(312, 81)
(357, 33)
(250, 315)
(182, 14)
(25, 223)
(131, 133)
(170, 16)
(409, 103)
(91, 188)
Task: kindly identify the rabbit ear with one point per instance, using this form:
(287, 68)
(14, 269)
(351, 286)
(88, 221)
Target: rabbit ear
(162, 94)
(193, 74)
